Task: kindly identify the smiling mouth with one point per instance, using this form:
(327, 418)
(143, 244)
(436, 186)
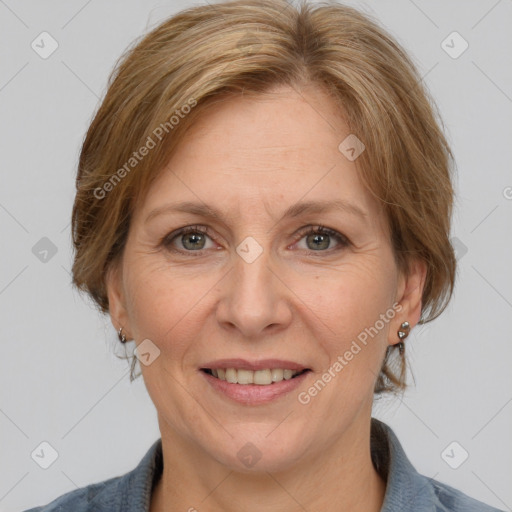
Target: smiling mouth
(259, 377)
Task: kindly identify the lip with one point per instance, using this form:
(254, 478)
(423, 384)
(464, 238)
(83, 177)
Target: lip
(262, 364)
(254, 394)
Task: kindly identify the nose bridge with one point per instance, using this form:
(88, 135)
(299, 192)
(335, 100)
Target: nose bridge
(254, 300)
(252, 271)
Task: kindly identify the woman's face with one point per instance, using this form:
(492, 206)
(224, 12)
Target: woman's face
(256, 285)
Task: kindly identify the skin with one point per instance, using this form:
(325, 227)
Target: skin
(252, 158)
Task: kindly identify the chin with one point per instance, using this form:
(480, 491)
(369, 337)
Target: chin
(258, 453)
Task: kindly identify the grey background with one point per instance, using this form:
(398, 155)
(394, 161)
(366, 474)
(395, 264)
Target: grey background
(60, 380)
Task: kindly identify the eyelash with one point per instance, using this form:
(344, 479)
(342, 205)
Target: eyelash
(319, 230)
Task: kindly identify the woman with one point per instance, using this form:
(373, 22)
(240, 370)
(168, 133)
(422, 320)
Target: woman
(263, 207)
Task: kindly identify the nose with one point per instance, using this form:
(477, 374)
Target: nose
(254, 300)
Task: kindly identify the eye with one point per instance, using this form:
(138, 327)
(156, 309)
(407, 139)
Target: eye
(319, 239)
(190, 238)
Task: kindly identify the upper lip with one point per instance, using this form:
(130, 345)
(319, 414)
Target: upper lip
(262, 364)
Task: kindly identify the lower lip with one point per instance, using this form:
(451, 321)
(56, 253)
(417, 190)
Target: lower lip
(253, 394)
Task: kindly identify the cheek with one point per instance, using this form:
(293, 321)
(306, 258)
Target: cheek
(164, 303)
(350, 310)
(350, 298)
(154, 299)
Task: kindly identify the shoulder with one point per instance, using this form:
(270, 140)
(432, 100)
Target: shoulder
(408, 490)
(449, 499)
(100, 496)
(125, 493)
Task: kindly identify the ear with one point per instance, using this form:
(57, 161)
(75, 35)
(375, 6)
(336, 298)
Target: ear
(117, 300)
(409, 294)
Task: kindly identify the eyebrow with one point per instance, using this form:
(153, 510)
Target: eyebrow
(303, 208)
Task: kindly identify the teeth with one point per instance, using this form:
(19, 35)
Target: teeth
(245, 377)
(277, 375)
(263, 377)
(260, 377)
(231, 375)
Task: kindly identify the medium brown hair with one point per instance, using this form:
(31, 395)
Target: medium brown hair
(202, 54)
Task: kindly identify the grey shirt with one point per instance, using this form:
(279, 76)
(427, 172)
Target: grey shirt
(406, 489)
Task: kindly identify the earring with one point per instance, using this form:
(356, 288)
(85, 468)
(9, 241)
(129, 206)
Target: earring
(121, 336)
(403, 332)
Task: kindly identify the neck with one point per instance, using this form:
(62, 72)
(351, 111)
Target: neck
(343, 478)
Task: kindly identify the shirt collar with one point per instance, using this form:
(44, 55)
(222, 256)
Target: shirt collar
(406, 489)
(136, 487)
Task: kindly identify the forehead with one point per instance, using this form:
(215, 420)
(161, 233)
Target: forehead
(274, 149)
(283, 122)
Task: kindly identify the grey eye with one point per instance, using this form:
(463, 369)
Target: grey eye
(189, 239)
(193, 241)
(317, 241)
